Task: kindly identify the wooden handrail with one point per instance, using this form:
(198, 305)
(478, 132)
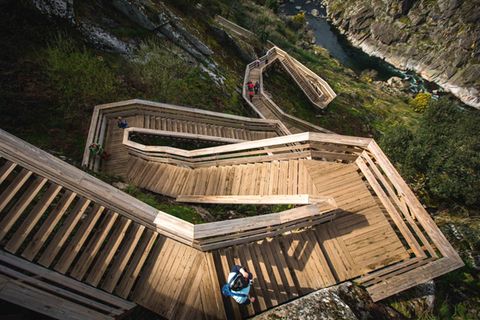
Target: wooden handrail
(102, 112)
(82, 183)
(233, 150)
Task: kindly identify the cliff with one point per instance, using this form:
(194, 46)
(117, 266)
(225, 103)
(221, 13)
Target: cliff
(439, 39)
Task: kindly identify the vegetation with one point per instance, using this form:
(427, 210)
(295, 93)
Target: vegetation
(441, 158)
(421, 101)
(180, 211)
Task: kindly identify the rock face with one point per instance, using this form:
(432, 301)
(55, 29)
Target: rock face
(153, 16)
(344, 301)
(56, 8)
(156, 17)
(439, 39)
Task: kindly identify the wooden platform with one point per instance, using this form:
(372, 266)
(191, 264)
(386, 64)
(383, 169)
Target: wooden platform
(96, 252)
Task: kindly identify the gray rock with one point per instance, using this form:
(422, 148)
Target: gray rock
(242, 49)
(440, 40)
(135, 12)
(103, 40)
(163, 22)
(344, 301)
(56, 8)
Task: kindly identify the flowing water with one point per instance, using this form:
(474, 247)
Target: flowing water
(328, 37)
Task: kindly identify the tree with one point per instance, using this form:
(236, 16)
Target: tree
(444, 151)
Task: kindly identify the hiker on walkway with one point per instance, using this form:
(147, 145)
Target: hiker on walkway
(97, 150)
(122, 123)
(238, 285)
(250, 86)
(256, 87)
(250, 95)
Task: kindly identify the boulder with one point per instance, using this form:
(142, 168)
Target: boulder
(315, 12)
(103, 40)
(56, 8)
(398, 83)
(345, 301)
(134, 11)
(165, 23)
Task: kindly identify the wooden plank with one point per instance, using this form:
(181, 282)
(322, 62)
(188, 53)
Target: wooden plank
(47, 257)
(216, 302)
(271, 285)
(120, 262)
(46, 303)
(289, 283)
(14, 187)
(66, 259)
(32, 218)
(390, 209)
(22, 203)
(6, 169)
(136, 264)
(48, 226)
(400, 205)
(108, 251)
(86, 258)
(57, 291)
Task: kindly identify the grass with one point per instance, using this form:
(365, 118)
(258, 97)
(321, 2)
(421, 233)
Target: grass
(180, 211)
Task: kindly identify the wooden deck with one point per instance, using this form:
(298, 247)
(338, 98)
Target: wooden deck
(96, 252)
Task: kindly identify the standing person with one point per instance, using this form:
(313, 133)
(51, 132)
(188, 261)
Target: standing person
(122, 123)
(238, 285)
(250, 95)
(250, 86)
(256, 87)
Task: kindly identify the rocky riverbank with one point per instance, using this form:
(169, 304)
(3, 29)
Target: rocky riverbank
(439, 39)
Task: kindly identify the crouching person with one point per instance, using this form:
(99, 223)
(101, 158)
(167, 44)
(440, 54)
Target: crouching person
(238, 285)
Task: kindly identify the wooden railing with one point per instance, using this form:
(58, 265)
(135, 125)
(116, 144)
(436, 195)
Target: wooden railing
(330, 147)
(429, 249)
(89, 187)
(433, 254)
(238, 30)
(102, 113)
(314, 96)
(220, 234)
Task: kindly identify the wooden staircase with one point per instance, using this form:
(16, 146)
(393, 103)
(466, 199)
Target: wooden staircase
(61, 230)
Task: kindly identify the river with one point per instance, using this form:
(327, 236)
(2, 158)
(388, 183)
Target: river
(328, 37)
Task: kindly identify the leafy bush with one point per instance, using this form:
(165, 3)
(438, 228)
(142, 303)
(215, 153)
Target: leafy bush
(421, 101)
(272, 4)
(443, 154)
(298, 21)
(180, 211)
(80, 78)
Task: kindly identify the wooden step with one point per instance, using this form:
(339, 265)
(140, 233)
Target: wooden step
(32, 218)
(79, 239)
(108, 251)
(86, 258)
(63, 233)
(22, 203)
(120, 261)
(55, 295)
(133, 270)
(6, 169)
(48, 226)
(14, 187)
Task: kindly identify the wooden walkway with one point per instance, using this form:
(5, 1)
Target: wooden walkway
(96, 252)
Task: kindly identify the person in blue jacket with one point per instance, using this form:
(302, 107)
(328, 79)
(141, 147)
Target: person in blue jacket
(238, 285)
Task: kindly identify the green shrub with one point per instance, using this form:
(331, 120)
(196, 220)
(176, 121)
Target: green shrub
(421, 101)
(298, 21)
(80, 78)
(442, 155)
(272, 4)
